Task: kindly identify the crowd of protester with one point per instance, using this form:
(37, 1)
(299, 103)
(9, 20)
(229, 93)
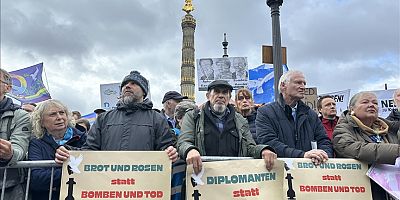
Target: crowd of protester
(285, 128)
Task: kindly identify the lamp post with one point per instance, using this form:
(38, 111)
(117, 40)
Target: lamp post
(276, 43)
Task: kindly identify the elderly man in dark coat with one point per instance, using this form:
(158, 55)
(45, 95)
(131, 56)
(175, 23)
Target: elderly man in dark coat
(290, 126)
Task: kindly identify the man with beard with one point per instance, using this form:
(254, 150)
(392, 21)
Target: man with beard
(15, 131)
(218, 131)
(290, 126)
(132, 126)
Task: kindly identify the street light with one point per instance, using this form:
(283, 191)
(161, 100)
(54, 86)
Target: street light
(276, 43)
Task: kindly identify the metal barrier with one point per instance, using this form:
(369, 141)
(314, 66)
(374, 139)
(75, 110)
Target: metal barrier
(51, 163)
(29, 165)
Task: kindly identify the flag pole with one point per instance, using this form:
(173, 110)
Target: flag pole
(47, 82)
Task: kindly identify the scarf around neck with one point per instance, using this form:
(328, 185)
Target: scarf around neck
(376, 132)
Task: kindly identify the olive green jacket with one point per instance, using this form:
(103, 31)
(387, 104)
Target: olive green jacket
(350, 141)
(194, 139)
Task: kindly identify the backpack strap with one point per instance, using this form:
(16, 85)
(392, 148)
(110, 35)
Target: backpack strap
(10, 118)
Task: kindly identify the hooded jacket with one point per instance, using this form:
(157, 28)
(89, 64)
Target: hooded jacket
(133, 127)
(350, 141)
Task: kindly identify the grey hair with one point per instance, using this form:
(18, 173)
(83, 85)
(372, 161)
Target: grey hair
(397, 91)
(37, 116)
(355, 98)
(183, 107)
(6, 76)
(285, 78)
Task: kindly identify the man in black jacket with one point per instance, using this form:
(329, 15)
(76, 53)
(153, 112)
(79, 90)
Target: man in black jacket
(114, 130)
(290, 126)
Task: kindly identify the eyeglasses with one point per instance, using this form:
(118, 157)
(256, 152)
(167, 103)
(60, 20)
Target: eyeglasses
(243, 97)
(4, 82)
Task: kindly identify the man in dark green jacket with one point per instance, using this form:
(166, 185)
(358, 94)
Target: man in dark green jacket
(217, 130)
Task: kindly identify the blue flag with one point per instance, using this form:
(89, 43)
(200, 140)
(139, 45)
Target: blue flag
(91, 117)
(27, 85)
(261, 83)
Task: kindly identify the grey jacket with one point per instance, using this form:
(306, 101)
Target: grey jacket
(130, 128)
(194, 139)
(20, 134)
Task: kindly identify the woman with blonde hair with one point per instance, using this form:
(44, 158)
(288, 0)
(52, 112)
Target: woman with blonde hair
(53, 126)
(362, 135)
(245, 106)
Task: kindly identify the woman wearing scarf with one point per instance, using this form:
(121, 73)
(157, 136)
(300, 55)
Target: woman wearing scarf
(362, 135)
(53, 126)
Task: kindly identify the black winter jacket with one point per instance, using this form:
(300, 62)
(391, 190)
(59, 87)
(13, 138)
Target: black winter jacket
(135, 127)
(252, 125)
(394, 115)
(276, 128)
(45, 149)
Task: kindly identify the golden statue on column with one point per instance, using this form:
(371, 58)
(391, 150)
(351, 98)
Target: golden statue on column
(188, 7)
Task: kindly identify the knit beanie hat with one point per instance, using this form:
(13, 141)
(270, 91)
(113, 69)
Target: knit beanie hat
(138, 79)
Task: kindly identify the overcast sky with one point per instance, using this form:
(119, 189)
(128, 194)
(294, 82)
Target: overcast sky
(338, 44)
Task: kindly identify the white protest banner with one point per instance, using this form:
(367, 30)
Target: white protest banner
(232, 69)
(116, 175)
(236, 179)
(335, 179)
(109, 94)
(388, 177)
(341, 98)
(385, 102)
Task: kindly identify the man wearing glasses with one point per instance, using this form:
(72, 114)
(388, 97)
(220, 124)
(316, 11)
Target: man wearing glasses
(15, 131)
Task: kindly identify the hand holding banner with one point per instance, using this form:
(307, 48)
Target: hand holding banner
(116, 175)
(240, 179)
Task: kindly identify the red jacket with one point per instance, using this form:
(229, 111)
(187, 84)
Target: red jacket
(329, 125)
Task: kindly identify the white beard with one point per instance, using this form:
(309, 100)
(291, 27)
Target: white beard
(219, 108)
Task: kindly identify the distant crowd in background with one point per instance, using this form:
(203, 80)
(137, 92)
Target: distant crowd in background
(287, 128)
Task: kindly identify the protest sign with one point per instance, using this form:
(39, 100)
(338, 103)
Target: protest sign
(335, 179)
(341, 98)
(232, 69)
(238, 179)
(109, 94)
(311, 98)
(388, 177)
(116, 175)
(385, 102)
